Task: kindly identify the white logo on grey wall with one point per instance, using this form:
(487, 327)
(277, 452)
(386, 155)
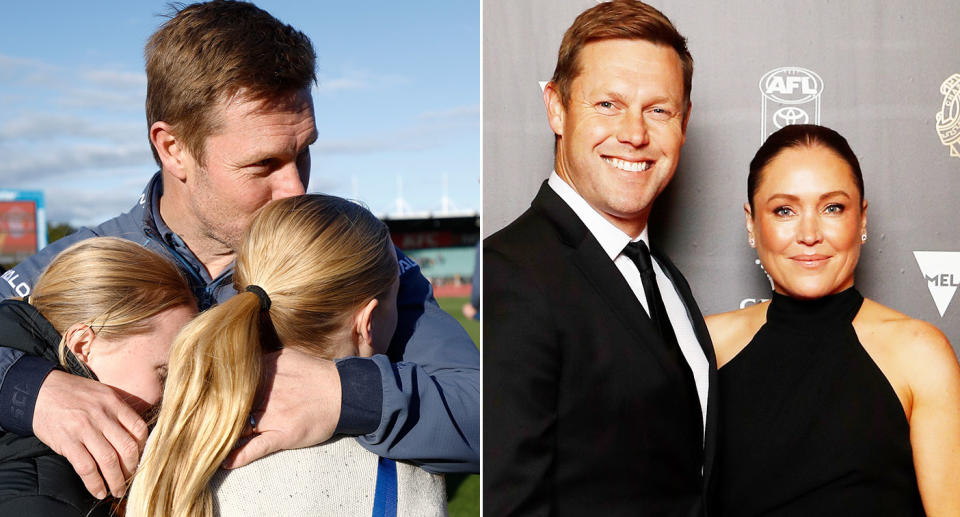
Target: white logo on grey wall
(791, 95)
(941, 270)
(948, 119)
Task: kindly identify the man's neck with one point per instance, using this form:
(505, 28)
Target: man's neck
(631, 227)
(212, 254)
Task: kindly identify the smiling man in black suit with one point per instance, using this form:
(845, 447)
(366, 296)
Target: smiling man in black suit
(597, 363)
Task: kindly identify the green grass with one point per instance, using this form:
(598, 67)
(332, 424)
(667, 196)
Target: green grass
(463, 491)
(452, 306)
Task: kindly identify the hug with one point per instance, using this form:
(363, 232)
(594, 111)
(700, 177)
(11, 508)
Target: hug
(230, 119)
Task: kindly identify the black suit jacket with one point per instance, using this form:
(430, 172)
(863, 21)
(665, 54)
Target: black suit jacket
(585, 413)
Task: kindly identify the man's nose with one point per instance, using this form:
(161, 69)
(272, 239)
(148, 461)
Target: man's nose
(633, 130)
(289, 181)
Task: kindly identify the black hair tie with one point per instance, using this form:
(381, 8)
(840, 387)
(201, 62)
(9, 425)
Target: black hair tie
(264, 299)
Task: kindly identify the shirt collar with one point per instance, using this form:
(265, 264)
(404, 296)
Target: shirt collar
(611, 238)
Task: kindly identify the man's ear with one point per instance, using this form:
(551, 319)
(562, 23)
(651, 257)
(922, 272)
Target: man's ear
(363, 329)
(173, 154)
(556, 112)
(79, 339)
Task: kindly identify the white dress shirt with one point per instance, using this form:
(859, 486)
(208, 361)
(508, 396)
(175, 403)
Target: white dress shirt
(613, 241)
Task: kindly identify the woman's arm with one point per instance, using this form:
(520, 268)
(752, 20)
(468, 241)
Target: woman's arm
(934, 380)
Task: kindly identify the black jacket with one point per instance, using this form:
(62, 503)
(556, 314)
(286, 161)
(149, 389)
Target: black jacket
(584, 411)
(34, 480)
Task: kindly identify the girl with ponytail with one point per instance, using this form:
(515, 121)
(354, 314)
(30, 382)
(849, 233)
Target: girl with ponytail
(315, 273)
(107, 309)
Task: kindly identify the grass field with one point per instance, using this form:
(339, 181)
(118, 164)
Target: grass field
(463, 491)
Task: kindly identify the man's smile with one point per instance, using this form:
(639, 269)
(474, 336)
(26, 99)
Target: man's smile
(628, 166)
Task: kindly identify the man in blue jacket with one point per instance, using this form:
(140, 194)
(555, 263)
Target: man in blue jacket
(231, 120)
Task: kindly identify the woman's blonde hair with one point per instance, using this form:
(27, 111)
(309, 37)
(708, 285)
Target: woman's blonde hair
(319, 259)
(113, 285)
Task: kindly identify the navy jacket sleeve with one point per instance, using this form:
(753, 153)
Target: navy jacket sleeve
(429, 409)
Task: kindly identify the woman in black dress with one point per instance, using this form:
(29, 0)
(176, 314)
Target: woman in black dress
(832, 404)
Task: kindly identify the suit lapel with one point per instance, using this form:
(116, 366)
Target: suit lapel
(595, 265)
(693, 310)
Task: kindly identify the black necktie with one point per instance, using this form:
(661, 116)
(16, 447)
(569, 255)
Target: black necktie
(640, 255)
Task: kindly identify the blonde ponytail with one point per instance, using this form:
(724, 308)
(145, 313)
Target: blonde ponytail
(318, 258)
(212, 379)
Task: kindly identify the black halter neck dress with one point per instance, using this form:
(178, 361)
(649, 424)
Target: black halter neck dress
(809, 424)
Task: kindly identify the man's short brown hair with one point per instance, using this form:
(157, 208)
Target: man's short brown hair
(623, 19)
(209, 52)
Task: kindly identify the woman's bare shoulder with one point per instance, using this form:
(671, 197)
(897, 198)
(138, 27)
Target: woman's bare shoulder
(732, 331)
(894, 328)
(919, 348)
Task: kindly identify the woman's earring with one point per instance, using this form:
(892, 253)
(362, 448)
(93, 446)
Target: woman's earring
(863, 237)
(753, 243)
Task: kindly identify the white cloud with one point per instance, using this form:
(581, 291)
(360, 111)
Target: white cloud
(104, 100)
(429, 130)
(76, 128)
(66, 160)
(46, 126)
(117, 79)
(106, 89)
(468, 111)
(88, 207)
(327, 86)
(353, 80)
(18, 69)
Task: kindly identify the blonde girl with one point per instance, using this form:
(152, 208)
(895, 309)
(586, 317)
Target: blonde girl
(107, 309)
(315, 273)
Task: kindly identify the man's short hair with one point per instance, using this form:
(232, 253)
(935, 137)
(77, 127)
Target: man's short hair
(618, 19)
(209, 52)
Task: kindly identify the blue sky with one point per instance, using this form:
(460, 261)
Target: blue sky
(398, 101)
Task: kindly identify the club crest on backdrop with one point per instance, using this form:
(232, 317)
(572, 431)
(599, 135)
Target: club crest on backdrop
(948, 118)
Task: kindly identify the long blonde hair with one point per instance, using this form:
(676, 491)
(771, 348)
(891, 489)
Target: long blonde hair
(319, 258)
(113, 285)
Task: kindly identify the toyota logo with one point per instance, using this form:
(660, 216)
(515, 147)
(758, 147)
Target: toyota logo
(790, 115)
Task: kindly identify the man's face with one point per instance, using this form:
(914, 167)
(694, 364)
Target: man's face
(260, 153)
(622, 128)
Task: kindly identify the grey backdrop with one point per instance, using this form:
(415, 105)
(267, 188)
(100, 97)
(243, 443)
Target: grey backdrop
(881, 74)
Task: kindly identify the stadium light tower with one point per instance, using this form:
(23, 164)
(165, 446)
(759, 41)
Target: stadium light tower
(446, 204)
(401, 207)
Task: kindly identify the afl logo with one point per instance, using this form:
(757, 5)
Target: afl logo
(790, 95)
(948, 119)
(791, 85)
